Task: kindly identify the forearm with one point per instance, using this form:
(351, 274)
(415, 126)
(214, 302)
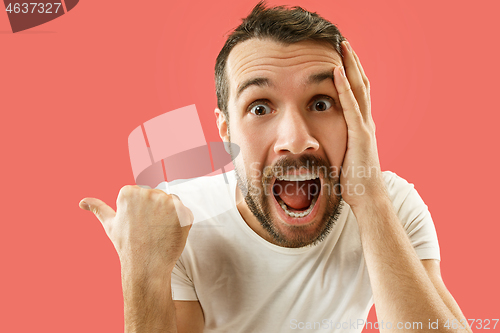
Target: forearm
(148, 305)
(402, 289)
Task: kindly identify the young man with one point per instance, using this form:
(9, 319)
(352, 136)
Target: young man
(317, 232)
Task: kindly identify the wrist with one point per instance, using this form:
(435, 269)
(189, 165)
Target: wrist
(146, 274)
(146, 265)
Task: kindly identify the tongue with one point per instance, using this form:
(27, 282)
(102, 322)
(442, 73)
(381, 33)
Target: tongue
(294, 194)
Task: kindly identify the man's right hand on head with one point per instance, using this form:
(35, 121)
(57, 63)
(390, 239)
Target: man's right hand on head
(146, 228)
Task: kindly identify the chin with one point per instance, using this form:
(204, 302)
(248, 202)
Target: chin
(297, 207)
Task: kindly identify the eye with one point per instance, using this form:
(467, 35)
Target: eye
(321, 104)
(260, 109)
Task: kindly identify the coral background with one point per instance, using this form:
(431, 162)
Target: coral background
(73, 89)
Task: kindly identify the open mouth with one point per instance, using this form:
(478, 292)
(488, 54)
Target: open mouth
(297, 194)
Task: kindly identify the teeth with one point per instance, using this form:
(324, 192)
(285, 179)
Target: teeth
(293, 178)
(292, 214)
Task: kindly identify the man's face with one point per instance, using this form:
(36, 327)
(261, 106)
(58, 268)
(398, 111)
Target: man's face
(286, 118)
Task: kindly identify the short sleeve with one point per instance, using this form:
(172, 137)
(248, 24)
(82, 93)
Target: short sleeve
(182, 286)
(414, 215)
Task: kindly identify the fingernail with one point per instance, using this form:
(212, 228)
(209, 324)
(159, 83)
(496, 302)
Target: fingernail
(85, 205)
(348, 46)
(342, 72)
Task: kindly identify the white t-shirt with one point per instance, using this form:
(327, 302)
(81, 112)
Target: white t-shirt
(246, 284)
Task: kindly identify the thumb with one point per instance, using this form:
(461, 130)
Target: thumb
(102, 211)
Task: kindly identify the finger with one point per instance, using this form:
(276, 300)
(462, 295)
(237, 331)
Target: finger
(102, 211)
(362, 71)
(368, 113)
(350, 106)
(355, 78)
(184, 214)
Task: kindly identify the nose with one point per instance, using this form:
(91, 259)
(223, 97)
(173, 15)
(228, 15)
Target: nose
(294, 134)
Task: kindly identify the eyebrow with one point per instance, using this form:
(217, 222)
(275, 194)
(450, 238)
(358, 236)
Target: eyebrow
(320, 77)
(257, 81)
(264, 81)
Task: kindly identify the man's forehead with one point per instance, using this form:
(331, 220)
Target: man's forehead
(264, 57)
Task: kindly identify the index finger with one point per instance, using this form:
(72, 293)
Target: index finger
(350, 107)
(356, 80)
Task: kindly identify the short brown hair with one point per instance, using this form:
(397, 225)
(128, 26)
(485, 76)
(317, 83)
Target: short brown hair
(280, 24)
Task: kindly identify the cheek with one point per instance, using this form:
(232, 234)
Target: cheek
(253, 143)
(335, 140)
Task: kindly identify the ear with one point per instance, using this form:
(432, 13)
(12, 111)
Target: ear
(222, 125)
